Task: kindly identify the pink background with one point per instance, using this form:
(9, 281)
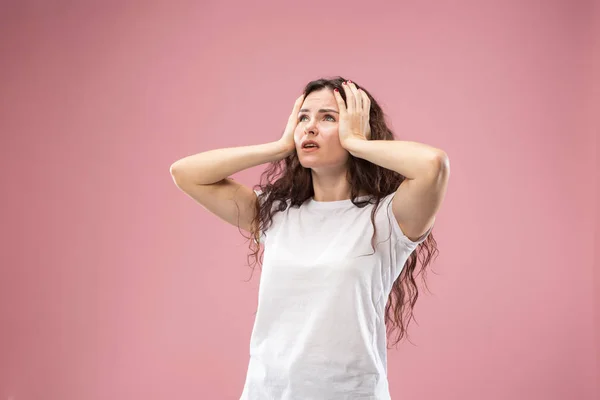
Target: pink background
(115, 285)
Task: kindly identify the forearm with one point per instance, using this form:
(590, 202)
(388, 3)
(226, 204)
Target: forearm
(410, 159)
(215, 165)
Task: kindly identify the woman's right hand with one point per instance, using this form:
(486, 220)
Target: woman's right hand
(287, 139)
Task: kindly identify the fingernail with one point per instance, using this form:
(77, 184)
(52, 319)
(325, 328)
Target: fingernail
(336, 90)
(349, 81)
(343, 83)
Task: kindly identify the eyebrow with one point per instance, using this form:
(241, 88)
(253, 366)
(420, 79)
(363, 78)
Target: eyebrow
(322, 110)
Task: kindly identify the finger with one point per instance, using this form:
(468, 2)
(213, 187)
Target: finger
(340, 101)
(350, 98)
(297, 105)
(366, 103)
(366, 109)
(357, 96)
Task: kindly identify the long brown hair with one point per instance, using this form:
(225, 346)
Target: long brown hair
(287, 182)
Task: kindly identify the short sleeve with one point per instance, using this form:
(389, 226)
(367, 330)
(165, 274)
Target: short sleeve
(397, 234)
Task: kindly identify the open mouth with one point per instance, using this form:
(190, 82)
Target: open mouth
(310, 149)
(310, 146)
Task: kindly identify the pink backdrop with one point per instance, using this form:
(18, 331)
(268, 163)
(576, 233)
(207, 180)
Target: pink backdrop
(115, 285)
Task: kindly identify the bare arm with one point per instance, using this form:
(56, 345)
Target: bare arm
(215, 165)
(205, 178)
(426, 169)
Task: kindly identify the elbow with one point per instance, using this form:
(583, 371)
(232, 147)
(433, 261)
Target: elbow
(439, 166)
(441, 161)
(173, 169)
(176, 173)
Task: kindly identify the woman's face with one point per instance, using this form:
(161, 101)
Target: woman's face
(318, 120)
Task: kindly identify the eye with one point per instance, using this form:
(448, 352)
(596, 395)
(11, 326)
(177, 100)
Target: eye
(331, 117)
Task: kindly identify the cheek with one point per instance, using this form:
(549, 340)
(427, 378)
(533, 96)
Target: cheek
(330, 133)
(298, 135)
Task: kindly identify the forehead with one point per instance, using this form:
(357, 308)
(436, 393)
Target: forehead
(323, 98)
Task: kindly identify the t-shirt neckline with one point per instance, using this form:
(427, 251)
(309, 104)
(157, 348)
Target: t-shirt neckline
(334, 204)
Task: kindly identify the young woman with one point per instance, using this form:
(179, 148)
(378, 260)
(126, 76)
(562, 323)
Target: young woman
(343, 210)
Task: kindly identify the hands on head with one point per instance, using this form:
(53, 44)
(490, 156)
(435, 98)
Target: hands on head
(353, 117)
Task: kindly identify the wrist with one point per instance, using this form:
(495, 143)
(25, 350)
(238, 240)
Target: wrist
(284, 149)
(353, 145)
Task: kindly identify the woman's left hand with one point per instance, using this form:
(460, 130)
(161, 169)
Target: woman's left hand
(354, 118)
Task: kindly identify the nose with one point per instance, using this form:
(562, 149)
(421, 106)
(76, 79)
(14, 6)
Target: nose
(310, 127)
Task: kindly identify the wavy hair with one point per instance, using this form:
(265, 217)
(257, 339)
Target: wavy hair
(287, 182)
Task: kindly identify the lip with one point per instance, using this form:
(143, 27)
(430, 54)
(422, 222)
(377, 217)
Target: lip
(309, 149)
(310, 142)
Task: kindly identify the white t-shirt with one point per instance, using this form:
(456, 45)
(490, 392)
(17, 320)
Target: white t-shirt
(319, 331)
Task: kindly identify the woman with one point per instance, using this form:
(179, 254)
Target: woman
(340, 219)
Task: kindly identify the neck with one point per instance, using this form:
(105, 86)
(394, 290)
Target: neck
(331, 187)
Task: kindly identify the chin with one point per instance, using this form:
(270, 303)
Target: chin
(309, 164)
(322, 164)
